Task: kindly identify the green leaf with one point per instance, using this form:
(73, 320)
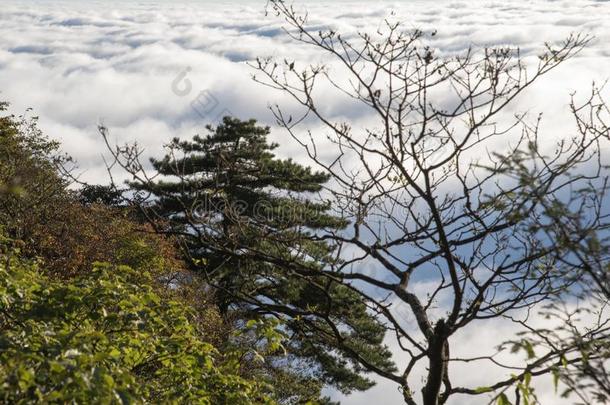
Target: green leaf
(529, 349)
(527, 378)
(555, 373)
(503, 400)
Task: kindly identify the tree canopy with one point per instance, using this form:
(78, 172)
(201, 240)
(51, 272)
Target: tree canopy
(234, 205)
(106, 337)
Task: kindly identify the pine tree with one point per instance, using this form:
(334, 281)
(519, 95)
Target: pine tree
(244, 217)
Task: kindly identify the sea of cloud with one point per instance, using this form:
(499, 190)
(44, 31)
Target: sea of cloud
(81, 63)
(153, 70)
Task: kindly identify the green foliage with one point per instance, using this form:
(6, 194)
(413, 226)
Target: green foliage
(108, 358)
(106, 337)
(98, 194)
(68, 231)
(28, 173)
(503, 400)
(527, 391)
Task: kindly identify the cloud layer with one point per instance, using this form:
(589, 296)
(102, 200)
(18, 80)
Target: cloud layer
(81, 63)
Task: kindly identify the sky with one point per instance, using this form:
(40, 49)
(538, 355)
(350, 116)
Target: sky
(152, 70)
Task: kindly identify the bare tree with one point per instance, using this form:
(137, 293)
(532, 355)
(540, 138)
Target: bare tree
(498, 234)
(426, 196)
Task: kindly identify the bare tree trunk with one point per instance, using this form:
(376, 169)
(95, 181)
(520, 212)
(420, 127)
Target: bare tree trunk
(437, 355)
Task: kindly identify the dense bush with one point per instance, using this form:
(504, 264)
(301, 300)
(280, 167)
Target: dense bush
(106, 337)
(67, 229)
(138, 328)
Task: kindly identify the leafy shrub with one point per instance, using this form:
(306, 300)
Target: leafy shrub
(105, 337)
